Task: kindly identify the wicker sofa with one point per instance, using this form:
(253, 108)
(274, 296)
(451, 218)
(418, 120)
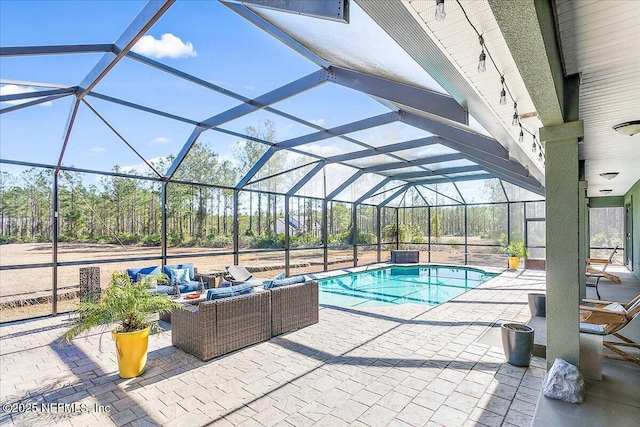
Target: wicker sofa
(220, 326)
(191, 285)
(294, 307)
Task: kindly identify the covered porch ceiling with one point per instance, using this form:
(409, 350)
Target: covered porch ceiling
(390, 38)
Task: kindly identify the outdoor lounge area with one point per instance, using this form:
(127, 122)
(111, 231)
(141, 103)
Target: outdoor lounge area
(371, 366)
(340, 212)
(397, 365)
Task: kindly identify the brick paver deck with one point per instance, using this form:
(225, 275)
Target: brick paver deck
(409, 365)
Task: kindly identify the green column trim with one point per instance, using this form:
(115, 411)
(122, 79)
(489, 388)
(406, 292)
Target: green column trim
(606, 202)
(567, 131)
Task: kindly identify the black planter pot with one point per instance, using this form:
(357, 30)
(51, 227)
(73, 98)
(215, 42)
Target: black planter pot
(517, 342)
(538, 304)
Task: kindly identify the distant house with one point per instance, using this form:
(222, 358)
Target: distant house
(296, 226)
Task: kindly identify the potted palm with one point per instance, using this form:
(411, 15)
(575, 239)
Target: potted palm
(515, 250)
(129, 305)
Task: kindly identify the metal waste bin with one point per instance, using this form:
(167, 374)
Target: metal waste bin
(537, 304)
(517, 342)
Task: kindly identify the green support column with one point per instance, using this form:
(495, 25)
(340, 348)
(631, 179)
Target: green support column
(563, 241)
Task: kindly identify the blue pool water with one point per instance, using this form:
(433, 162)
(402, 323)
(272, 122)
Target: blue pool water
(430, 285)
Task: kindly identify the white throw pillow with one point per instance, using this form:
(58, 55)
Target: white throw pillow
(615, 307)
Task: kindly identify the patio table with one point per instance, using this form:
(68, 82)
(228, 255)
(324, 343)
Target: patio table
(184, 300)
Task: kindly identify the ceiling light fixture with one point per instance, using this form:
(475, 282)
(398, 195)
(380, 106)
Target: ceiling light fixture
(521, 137)
(440, 13)
(505, 91)
(609, 175)
(628, 128)
(482, 61)
(607, 191)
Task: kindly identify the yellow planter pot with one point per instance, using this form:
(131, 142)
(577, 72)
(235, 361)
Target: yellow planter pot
(513, 262)
(131, 348)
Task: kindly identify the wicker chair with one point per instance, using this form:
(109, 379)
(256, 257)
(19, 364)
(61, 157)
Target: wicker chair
(220, 326)
(293, 307)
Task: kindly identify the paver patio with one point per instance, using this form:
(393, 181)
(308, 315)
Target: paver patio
(408, 365)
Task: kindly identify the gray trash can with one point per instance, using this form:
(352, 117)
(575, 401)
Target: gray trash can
(517, 342)
(537, 304)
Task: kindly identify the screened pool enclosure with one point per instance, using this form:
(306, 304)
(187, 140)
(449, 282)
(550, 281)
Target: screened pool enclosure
(233, 139)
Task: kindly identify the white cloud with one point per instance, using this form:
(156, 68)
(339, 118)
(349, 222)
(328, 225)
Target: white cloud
(160, 140)
(95, 150)
(142, 168)
(318, 122)
(15, 89)
(167, 46)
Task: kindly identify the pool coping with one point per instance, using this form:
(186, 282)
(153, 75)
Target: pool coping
(362, 268)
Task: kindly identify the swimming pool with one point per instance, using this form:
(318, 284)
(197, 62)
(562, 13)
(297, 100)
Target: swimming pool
(430, 285)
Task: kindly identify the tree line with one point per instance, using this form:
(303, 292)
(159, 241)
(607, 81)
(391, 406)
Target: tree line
(124, 210)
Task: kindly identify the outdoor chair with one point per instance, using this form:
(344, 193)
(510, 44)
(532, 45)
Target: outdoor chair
(239, 274)
(606, 318)
(599, 273)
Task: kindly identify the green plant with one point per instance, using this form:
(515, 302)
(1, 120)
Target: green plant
(516, 249)
(125, 303)
(304, 240)
(246, 241)
(367, 237)
(502, 239)
(270, 241)
(175, 238)
(128, 238)
(221, 241)
(7, 239)
(42, 238)
(152, 240)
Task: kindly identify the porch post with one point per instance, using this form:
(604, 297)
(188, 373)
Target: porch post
(354, 234)
(55, 222)
(379, 232)
(287, 234)
(563, 241)
(325, 236)
(163, 222)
